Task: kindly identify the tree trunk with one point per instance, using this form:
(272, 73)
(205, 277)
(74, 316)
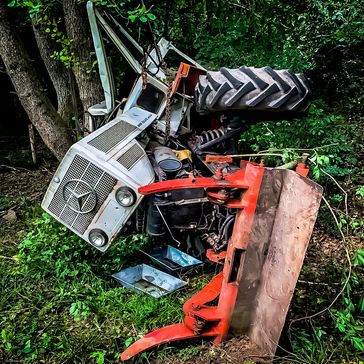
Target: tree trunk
(78, 29)
(58, 73)
(42, 114)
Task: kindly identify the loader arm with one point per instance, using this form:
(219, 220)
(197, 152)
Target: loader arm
(111, 33)
(131, 50)
(105, 73)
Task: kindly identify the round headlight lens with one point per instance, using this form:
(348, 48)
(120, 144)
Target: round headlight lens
(98, 238)
(125, 196)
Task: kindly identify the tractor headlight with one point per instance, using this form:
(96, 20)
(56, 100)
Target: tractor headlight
(98, 238)
(125, 196)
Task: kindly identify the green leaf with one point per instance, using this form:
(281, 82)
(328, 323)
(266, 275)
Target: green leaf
(361, 305)
(143, 19)
(316, 172)
(341, 327)
(129, 341)
(27, 349)
(151, 16)
(12, 4)
(358, 343)
(358, 258)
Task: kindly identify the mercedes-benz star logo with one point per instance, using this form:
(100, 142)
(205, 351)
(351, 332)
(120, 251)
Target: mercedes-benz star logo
(79, 196)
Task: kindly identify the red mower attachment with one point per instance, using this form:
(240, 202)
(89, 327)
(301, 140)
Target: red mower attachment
(277, 210)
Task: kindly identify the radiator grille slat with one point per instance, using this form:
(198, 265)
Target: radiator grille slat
(100, 181)
(112, 136)
(131, 156)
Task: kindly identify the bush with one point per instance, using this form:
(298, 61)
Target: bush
(334, 139)
(59, 303)
(322, 38)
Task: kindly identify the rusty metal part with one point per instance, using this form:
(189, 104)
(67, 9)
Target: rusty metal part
(224, 285)
(234, 180)
(216, 257)
(182, 72)
(262, 262)
(302, 168)
(286, 211)
(187, 75)
(168, 113)
(211, 158)
(144, 67)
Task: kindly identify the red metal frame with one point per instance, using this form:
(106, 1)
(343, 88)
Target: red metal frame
(202, 320)
(190, 74)
(234, 180)
(302, 169)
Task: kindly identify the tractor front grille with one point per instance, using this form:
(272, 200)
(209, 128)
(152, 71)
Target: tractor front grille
(131, 156)
(112, 136)
(81, 177)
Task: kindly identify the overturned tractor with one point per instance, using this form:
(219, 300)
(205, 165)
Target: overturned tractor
(164, 161)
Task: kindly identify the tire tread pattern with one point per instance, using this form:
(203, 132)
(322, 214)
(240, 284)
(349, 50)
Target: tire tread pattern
(249, 88)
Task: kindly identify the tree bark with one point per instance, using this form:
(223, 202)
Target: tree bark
(55, 133)
(58, 73)
(78, 30)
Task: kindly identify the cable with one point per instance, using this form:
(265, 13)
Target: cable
(165, 223)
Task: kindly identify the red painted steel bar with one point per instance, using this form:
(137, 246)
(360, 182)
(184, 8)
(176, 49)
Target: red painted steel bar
(200, 319)
(234, 180)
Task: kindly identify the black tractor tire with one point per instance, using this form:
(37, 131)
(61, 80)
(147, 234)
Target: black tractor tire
(252, 89)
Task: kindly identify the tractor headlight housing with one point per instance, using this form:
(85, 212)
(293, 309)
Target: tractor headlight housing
(125, 196)
(98, 238)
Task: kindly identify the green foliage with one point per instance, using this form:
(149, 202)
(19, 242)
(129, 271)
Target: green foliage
(360, 191)
(99, 356)
(332, 139)
(33, 7)
(40, 14)
(5, 203)
(323, 38)
(354, 224)
(304, 342)
(349, 317)
(50, 249)
(359, 261)
(314, 344)
(58, 299)
(65, 53)
(141, 13)
(189, 352)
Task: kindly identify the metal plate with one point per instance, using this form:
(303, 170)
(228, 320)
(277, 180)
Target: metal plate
(131, 156)
(144, 278)
(171, 258)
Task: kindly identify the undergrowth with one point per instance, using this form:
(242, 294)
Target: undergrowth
(331, 140)
(335, 335)
(59, 303)
(332, 144)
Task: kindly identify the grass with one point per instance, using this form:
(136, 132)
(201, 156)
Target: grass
(58, 302)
